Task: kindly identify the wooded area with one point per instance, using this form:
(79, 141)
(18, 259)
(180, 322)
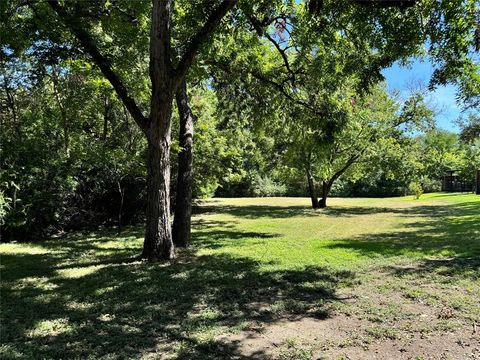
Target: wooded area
(121, 113)
(282, 92)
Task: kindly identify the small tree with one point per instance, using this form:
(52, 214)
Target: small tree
(416, 189)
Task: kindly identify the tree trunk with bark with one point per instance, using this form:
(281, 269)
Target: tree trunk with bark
(312, 190)
(327, 184)
(326, 187)
(183, 202)
(158, 242)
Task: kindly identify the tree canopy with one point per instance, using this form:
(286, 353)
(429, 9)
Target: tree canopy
(281, 97)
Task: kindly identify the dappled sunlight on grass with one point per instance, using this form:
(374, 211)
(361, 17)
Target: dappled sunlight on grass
(252, 261)
(78, 272)
(50, 328)
(15, 248)
(42, 283)
(349, 233)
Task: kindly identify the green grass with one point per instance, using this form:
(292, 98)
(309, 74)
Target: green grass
(252, 262)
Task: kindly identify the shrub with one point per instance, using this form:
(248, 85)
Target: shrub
(264, 186)
(416, 189)
(430, 185)
(204, 190)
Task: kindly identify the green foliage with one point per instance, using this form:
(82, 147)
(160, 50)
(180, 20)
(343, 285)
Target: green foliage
(430, 185)
(5, 207)
(416, 189)
(264, 186)
(268, 106)
(68, 153)
(470, 128)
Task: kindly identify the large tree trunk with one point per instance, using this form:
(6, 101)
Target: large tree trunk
(311, 189)
(327, 184)
(158, 242)
(183, 201)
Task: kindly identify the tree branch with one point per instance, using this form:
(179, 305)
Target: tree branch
(349, 163)
(260, 31)
(200, 37)
(88, 43)
(266, 80)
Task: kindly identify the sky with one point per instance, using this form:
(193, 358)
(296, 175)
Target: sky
(402, 78)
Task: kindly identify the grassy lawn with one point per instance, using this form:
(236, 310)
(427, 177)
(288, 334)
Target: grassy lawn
(264, 278)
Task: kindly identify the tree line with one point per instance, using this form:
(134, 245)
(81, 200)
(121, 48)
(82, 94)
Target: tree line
(275, 94)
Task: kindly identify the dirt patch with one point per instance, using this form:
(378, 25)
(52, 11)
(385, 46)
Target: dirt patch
(344, 337)
(456, 345)
(382, 318)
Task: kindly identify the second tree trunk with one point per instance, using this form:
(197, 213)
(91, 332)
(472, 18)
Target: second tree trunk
(326, 186)
(311, 189)
(183, 204)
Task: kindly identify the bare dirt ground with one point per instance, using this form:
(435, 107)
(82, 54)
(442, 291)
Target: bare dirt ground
(342, 337)
(372, 324)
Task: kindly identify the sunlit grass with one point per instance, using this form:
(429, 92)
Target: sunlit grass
(252, 261)
(351, 233)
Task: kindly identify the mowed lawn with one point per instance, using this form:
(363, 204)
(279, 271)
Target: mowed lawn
(391, 278)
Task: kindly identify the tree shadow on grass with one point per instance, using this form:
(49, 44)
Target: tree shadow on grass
(130, 309)
(256, 211)
(214, 234)
(452, 230)
(107, 305)
(407, 210)
(280, 212)
(215, 239)
(463, 267)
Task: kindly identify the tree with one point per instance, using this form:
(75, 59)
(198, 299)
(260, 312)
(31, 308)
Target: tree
(166, 76)
(327, 157)
(470, 128)
(335, 37)
(307, 54)
(183, 204)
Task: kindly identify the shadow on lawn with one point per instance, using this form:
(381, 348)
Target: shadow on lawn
(428, 230)
(404, 209)
(464, 267)
(128, 309)
(256, 211)
(452, 231)
(116, 307)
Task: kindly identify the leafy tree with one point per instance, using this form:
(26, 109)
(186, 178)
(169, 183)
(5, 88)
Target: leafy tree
(273, 51)
(416, 189)
(169, 63)
(368, 120)
(317, 57)
(470, 128)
